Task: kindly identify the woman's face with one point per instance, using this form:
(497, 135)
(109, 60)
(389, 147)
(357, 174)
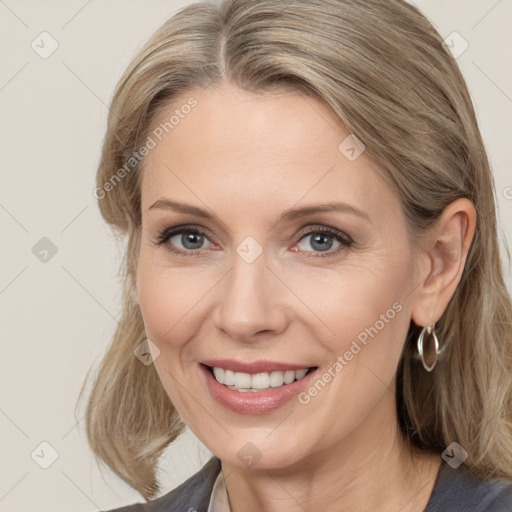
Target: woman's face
(240, 270)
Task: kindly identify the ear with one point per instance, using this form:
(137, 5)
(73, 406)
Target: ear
(444, 250)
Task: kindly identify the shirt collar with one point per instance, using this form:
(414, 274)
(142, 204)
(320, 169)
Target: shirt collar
(219, 501)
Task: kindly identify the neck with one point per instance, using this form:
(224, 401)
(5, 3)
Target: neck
(370, 469)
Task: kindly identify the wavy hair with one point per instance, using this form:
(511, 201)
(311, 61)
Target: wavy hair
(381, 67)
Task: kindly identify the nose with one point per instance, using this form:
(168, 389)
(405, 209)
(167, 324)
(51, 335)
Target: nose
(252, 302)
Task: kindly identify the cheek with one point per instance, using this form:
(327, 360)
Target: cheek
(363, 298)
(166, 300)
(370, 320)
(159, 306)
(377, 340)
(169, 299)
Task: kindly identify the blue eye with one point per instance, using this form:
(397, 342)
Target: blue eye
(323, 239)
(320, 241)
(192, 239)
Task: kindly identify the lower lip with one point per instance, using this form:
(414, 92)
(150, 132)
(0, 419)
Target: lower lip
(254, 402)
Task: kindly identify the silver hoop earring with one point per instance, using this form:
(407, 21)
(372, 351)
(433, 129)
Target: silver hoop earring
(429, 329)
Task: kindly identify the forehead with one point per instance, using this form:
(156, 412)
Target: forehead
(242, 151)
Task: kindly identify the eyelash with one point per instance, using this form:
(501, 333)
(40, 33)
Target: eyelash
(168, 233)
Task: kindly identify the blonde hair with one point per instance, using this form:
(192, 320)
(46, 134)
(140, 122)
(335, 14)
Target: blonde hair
(381, 67)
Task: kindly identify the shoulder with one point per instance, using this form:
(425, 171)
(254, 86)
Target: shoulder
(458, 491)
(193, 494)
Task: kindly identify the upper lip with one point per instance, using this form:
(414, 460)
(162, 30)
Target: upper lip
(259, 366)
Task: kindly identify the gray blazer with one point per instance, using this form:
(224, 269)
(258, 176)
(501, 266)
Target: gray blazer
(454, 491)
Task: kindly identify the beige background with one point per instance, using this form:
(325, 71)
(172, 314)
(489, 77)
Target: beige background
(58, 316)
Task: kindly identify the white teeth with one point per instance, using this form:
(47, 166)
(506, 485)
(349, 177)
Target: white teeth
(300, 373)
(289, 377)
(229, 378)
(219, 374)
(243, 382)
(260, 381)
(276, 379)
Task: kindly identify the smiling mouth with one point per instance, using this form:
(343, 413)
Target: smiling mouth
(257, 382)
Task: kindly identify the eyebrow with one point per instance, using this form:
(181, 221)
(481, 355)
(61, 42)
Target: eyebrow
(287, 215)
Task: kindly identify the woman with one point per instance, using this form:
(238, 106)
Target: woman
(313, 281)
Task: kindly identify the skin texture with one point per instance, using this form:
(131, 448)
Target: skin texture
(246, 158)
